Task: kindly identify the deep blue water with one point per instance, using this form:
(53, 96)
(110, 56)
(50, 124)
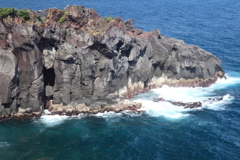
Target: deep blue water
(164, 132)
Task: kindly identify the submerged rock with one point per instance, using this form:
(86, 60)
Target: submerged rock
(189, 105)
(87, 64)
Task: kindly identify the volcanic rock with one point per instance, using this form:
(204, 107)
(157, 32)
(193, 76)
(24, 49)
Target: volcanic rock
(75, 57)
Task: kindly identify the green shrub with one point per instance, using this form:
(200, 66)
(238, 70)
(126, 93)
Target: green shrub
(24, 14)
(5, 12)
(60, 21)
(39, 18)
(108, 19)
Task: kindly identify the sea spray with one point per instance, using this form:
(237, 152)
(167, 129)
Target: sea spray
(208, 97)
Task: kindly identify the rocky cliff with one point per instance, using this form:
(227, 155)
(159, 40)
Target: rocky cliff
(74, 61)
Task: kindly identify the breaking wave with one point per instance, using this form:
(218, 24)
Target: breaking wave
(209, 98)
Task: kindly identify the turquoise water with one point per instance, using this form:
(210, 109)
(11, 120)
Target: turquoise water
(164, 131)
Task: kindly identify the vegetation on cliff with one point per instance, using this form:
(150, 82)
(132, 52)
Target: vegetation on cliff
(5, 12)
(39, 18)
(63, 18)
(12, 12)
(108, 19)
(24, 14)
(71, 16)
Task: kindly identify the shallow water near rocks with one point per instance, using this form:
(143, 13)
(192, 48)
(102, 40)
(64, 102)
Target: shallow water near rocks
(164, 131)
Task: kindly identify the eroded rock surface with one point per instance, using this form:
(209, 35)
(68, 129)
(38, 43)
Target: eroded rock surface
(70, 110)
(74, 58)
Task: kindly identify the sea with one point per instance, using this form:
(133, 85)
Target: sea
(164, 131)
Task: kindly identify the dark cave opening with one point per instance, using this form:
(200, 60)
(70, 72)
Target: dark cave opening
(49, 80)
(49, 76)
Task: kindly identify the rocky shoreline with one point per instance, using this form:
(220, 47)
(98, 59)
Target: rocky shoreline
(59, 109)
(125, 105)
(73, 61)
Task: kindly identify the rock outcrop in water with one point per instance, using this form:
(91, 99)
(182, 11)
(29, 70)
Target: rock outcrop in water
(77, 60)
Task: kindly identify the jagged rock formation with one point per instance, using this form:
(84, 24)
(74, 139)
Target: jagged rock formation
(73, 56)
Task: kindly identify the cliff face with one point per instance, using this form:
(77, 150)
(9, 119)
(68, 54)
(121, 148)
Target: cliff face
(73, 56)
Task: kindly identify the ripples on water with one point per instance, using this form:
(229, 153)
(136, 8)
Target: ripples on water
(164, 131)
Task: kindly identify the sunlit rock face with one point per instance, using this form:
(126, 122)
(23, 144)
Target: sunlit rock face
(73, 56)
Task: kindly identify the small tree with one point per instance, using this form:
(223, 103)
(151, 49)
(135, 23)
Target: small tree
(24, 14)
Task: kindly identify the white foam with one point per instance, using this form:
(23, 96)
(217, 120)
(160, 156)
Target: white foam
(51, 120)
(223, 83)
(47, 112)
(106, 114)
(48, 120)
(207, 96)
(112, 114)
(219, 105)
(4, 144)
(132, 114)
(165, 109)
